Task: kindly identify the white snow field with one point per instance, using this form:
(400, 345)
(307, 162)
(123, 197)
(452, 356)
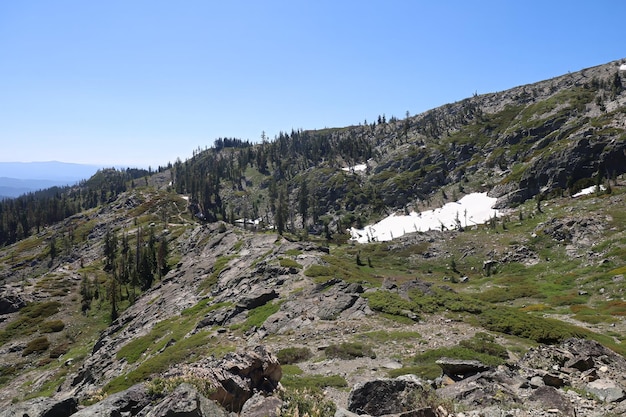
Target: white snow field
(588, 190)
(355, 168)
(472, 209)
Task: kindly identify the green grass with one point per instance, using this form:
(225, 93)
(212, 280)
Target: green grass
(218, 267)
(28, 320)
(186, 350)
(289, 263)
(257, 316)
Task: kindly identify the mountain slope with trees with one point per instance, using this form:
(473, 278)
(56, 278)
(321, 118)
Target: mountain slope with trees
(150, 279)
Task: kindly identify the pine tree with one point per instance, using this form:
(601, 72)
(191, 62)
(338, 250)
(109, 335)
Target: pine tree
(303, 199)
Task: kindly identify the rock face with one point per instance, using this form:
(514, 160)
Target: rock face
(237, 376)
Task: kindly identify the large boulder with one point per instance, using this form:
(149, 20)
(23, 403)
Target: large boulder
(129, 403)
(42, 407)
(459, 368)
(550, 398)
(237, 376)
(10, 303)
(185, 401)
(385, 396)
(606, 390)
(262, 406)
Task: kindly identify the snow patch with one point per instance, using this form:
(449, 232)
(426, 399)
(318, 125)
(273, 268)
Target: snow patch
(472, 209)
(355, 168)
(622, 67)
(588, 190)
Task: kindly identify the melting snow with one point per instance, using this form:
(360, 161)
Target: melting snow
(358, 167)
(475, 208)
(588, 190)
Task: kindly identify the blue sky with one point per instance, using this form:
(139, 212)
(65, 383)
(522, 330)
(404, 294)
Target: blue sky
(142, 82)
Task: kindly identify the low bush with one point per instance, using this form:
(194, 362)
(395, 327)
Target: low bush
(518, 323)
(289, 263)
(38, 345)
(51, 326)
(350, 351)
(292, 355)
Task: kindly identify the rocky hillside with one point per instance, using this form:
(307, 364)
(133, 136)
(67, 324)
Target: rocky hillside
(228, 285)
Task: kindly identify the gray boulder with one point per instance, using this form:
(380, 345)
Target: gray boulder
(606, 390)
(256, 298)
(262, 406)
(459, 368)
(42, 407)
(385, 396)
(10, 303)
(129, 402)
(550, 398)
(185, 401)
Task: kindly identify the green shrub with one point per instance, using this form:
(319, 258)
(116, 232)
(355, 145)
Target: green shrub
(486, 344)
(350, 351)
(315, 271)
(389, 303)
(257, 316)
(293, 355)
(38, 345)
(51, 326)
(59, 351)
(28, 320)
(517, 323)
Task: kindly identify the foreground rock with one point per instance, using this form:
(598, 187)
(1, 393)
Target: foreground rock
(385, 396)
(42, 407)
(578, 377)
(236, 377)
(184, 401)
(129, 402)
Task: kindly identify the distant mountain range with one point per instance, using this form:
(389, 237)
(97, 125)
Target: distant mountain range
(17, 178)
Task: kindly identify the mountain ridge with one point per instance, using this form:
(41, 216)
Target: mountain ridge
(156, 278)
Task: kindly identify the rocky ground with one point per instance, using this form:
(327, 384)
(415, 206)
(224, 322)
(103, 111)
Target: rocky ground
(575, 378)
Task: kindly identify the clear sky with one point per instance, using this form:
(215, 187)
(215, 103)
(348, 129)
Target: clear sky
(142, 82)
